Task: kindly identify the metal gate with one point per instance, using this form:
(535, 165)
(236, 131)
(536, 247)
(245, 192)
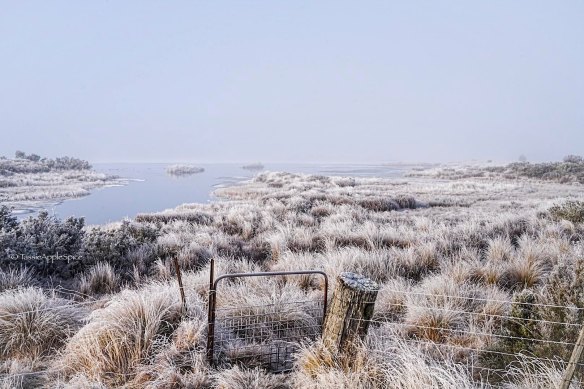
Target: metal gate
(263, 335)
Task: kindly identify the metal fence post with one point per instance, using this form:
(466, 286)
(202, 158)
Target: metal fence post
(211, 313)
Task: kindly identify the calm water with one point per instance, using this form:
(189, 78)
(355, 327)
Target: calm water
(151, 189)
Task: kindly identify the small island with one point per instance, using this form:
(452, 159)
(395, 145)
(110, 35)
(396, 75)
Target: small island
(183, 170)
(253, 166)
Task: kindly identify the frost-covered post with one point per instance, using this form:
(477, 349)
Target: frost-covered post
(349, 312)
(180, 285)
(574, 360)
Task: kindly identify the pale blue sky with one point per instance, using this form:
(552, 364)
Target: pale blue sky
(292, 80)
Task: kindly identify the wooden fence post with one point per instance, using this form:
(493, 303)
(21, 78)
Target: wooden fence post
(180, 285)
(349, 312)
(574, 359)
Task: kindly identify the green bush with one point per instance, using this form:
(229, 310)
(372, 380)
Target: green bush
(572, 211)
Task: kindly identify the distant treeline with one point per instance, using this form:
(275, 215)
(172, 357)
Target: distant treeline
(33, 163)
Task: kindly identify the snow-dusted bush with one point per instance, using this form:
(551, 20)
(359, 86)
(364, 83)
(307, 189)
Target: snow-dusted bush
(180, 170)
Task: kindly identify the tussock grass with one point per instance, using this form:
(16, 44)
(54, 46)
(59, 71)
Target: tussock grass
(79, 381)
(123, 334)
(380, 364)
(33, 324)
(19, 374)
(16, 278)
(391, 300)
(238, 378)
(536, 375)
(101, 279)
(174, 368)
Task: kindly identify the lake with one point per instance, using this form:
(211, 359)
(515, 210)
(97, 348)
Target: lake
(151, 189)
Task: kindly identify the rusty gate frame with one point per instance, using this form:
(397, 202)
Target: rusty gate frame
(213, 299)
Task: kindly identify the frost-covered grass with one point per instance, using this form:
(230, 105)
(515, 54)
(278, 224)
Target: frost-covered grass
(446, 253)
(25, 183)
(570, 170)
(183, 170)
(33, 324)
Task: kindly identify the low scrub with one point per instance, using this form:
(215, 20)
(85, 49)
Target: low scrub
(572, 211)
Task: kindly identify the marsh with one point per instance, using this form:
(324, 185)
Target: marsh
(479, 242)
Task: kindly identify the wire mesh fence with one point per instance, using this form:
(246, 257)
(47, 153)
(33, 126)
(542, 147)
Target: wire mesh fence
(265, 335)
(483, 336)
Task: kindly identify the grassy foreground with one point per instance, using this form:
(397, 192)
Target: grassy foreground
(440, 247)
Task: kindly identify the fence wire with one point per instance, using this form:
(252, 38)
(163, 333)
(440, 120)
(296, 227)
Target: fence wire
(468, 342)
(266, 336)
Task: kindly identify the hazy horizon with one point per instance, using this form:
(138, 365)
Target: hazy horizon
(294, 82)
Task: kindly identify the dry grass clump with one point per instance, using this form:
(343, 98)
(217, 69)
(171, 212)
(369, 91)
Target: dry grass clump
(33, 324)
(381, 363)
(182, 363)
(439, 310)
(522, 273)
(499, 249)
(391, 300)
(100, 279)
(416, 262)
(20, 374)
(175, 368)
(122, 335)
(240, 378)
(527, 265)
(435, 310)
(379, 204)
(317, 367)
(16, 278)
(533, 374)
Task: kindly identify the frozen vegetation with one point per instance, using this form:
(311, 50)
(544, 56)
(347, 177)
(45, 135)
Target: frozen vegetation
(183, 170)
(253, 166)
(28, 180)
(570, 170)
(473, 241)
